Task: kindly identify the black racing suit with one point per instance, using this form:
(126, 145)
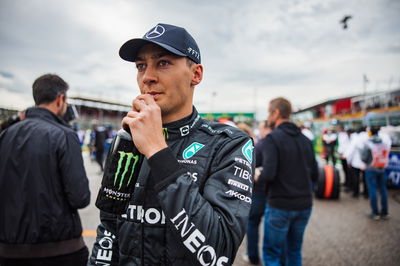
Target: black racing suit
(190, 204)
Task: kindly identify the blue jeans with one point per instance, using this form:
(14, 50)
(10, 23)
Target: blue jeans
(376, 180)
(256, 213)
(283, 235)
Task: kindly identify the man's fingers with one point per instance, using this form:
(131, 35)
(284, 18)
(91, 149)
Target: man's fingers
(127, 121)
(138, 104)
(143, 102)
(147, 98)
(133, 114)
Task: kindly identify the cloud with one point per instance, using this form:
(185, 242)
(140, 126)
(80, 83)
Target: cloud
(392, 49)
(11, 83)
(15, 100)
(251, 51)
(6, 75)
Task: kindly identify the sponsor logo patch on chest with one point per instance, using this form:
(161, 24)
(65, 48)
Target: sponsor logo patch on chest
(192, 150)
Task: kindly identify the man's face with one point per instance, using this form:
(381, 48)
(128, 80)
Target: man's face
(168, 78)
(63, 105)
(273, 115)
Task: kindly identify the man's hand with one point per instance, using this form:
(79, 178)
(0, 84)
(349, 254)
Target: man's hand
(146, 125)
(257, 173)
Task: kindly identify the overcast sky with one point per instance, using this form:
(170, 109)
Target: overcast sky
(252, 51)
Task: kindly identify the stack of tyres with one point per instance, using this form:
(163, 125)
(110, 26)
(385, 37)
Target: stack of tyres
(328, 186)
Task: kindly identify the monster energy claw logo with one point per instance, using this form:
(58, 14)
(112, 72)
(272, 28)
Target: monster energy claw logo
(247, 150)
(129, 156)
(165, 133)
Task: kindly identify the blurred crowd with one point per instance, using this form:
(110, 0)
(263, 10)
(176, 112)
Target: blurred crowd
(335, 145)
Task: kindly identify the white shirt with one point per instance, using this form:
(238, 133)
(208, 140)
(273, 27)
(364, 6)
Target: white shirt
(385, 138)
(329, 138)
(306, 132)
(353, 153)
(344, 142)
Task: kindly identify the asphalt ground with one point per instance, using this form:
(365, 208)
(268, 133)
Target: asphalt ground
(339, 231)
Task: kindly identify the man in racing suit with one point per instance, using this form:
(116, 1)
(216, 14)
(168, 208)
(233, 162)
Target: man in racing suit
(192, 198)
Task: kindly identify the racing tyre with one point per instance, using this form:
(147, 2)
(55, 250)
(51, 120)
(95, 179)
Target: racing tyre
(328, 185)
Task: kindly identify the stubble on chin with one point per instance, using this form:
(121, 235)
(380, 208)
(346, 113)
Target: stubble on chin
(271, 124)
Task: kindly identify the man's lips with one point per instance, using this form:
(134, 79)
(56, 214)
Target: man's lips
(154, 94)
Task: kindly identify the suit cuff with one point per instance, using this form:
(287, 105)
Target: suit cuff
(165, 168)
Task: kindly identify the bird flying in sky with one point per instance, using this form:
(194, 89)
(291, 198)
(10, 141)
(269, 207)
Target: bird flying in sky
(344, 21)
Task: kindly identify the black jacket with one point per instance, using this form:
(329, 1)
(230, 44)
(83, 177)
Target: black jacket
(190, 204)
(289, 167)
(259, 187)
(43, 182)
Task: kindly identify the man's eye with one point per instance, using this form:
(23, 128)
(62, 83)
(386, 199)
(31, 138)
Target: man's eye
(140, 66)
(163, 63)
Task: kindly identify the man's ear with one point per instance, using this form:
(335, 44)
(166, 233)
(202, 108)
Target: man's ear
(60, 100)
(197, 74)
(278, 113)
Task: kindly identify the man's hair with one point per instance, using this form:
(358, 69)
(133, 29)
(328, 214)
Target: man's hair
(283, 105)
(47, 88)
(189, 62)
(361, 129)
(374, 130)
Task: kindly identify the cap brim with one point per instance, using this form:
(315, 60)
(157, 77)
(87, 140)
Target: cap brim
(130, 49)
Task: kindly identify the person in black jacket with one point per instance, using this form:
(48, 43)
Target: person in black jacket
(15, 118)
(192, 197)
(100, 136)
(43, 184)
(289, 168)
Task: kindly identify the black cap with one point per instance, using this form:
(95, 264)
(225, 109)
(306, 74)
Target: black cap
(172, 38)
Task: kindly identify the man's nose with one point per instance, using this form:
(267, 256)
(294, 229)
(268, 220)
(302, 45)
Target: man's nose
(149, 75)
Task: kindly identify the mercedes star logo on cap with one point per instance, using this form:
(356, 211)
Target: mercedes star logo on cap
(156, 32)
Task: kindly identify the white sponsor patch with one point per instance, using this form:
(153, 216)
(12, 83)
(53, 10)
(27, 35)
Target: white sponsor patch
(194, 241)
(184, 130)
(243, 161)
(193, 175)
(243, 173)
(149, 215)
(239, 196)
(104, 253)
(238, 184)
(188, 161)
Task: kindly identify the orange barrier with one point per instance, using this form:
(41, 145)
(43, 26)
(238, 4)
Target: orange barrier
(91, 233)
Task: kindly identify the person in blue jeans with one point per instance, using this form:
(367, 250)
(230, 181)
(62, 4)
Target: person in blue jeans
(376, 155)
(255, 216)
(283, 235)
(258, 202)
(288, 170)
(376, 180)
